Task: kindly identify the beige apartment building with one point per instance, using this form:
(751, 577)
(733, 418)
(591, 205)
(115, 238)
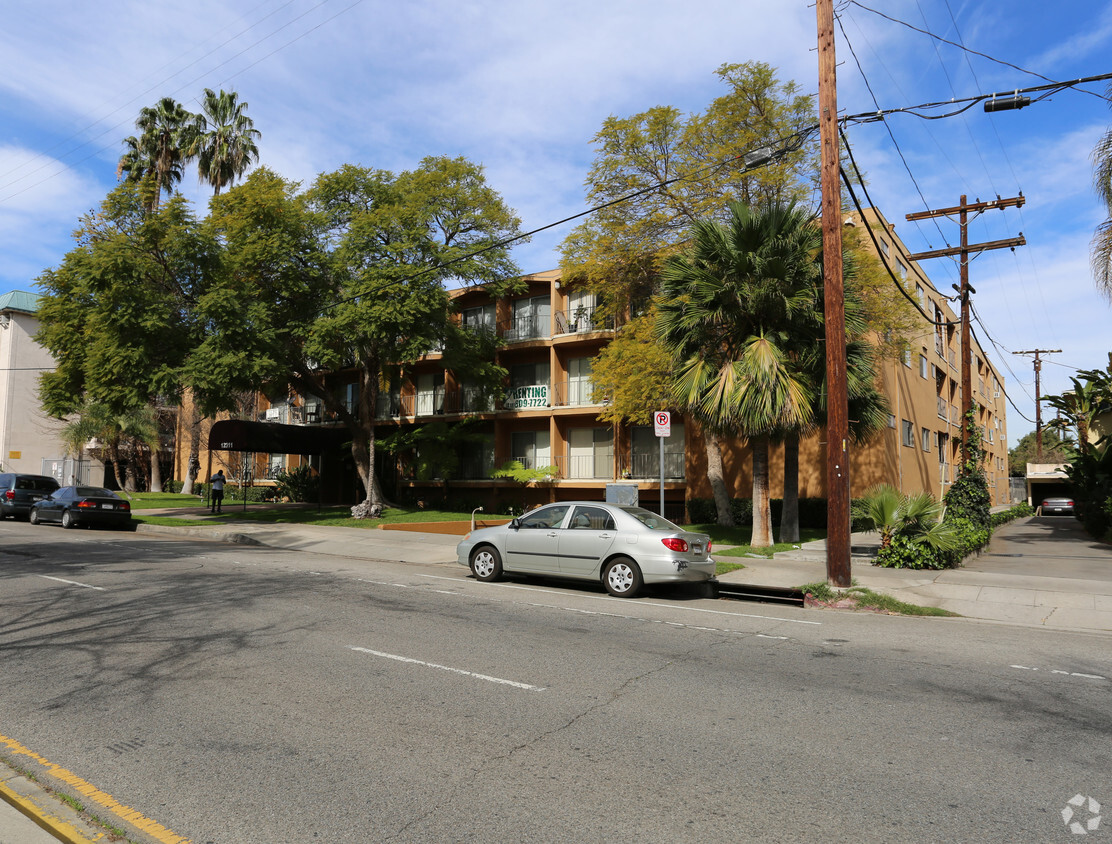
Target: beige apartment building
(548, 416)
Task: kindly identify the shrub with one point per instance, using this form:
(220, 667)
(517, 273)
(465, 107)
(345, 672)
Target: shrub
(300, 484)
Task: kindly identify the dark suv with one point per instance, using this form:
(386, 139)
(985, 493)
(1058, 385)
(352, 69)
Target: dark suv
(19, 492)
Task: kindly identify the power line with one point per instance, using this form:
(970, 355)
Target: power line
(964, 48)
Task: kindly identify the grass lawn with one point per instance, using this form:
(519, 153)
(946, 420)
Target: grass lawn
(739, 537)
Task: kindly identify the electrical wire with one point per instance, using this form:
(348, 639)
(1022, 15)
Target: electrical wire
(872, 235)
(964, 48)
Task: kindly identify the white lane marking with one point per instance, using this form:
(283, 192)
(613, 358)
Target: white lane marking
(486, 677)
(74, 583)
(1064, 673)
(639, 603)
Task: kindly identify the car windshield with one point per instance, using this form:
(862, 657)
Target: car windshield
(650, 519)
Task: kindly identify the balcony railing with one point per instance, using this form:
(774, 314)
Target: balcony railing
(531, 327)
(598, 466)
(573, 394)
(581, 321)
(645, 465)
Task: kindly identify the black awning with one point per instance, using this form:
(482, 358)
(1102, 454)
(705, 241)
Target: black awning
(241, 435)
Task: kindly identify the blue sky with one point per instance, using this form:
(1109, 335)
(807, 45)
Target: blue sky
(523, 86)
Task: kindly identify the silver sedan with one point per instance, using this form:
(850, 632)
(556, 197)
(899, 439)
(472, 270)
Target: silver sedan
(622, 547)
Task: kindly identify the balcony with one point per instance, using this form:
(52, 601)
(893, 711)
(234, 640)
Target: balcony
(581, 320)
(943, 408)
(645, 466)
(574, 394)
(597, 466)
(532, 327)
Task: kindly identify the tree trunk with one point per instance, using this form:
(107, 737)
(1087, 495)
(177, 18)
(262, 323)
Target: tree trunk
(194, 451)
(717, 480)
(762, 506)
(156, 470)
(789, 514)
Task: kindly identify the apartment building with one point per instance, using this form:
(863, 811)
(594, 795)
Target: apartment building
(547, 418)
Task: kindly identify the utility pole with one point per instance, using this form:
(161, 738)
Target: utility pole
(965, 250)
(1038, 396)
(837, 395)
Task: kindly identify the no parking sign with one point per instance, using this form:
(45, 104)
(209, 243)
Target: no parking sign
(662, 423)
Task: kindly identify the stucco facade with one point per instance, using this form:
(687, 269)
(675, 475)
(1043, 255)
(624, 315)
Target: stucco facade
(30, 441)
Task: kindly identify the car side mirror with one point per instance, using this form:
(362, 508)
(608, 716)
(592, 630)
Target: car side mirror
(515, 524)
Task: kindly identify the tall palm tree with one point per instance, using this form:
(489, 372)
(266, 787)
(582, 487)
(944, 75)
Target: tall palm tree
(726, 312)
(159, 151)
(1101, 257)
(223, 139)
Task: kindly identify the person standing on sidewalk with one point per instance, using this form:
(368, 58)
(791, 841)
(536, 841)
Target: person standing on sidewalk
(217, 482)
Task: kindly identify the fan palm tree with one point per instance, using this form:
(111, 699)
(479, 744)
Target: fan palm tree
(1101, 257)
(223, 139)
(726, 311)
(158, 152)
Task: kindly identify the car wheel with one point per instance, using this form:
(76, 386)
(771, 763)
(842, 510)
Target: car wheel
(622, 578)
(486, 564)
(33, 517)
(68, 521)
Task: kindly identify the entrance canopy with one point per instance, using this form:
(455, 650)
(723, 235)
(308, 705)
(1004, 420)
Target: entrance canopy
(241, 435)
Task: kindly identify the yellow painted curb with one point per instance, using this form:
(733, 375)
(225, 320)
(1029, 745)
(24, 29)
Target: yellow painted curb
(57, 827)
(91, 792)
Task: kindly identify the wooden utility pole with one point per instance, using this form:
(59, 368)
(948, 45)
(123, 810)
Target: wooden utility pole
(965, 250)
(1038, 396)
(837, 392)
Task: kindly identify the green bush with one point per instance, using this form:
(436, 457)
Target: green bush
(300, 484)
(1018, 511)
(172, 486)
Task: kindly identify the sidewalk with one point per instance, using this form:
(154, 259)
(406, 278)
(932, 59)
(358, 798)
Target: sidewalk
(1041, 572)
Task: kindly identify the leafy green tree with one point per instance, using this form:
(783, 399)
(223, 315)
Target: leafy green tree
(158, 154)
(351, 271)
(116, 314)
(1055, 449)
(222, 139)
(916, 518)
(726, 312)
(618, 250)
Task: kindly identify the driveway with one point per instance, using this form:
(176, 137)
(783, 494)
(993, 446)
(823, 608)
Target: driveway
(1045, 546)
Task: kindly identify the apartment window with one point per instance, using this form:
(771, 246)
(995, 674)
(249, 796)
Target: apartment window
(884, 247)
(908, 434)
(531, 449)
(645, 453)
(901, 269)
(923, 369)
(430, 393)
(480, 318)
(891, 420)
(476, 459)
(531, 318)
(579, 381)
(529, 387)
(919, 293)
(907, 356)
(590, 453)
(925, 439)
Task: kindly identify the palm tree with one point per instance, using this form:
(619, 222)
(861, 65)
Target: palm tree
(158, 152)
(726, 311)
(1102, 241)
(916, 518)
(223, 139)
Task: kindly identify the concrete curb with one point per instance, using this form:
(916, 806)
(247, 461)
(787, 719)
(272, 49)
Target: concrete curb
(47, 812)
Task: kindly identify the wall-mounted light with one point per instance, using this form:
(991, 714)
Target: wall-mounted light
(4, 320)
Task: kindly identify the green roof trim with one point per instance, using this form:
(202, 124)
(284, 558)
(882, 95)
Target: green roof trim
(20, 300)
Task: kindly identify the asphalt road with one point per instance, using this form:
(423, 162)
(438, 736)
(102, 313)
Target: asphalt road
(238, 694)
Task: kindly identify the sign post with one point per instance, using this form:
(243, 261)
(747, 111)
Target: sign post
(662, 426)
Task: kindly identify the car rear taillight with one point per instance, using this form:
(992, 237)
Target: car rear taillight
(123, 505)
(85, 505)
(10, 494)
(709, 543)
(675, 543)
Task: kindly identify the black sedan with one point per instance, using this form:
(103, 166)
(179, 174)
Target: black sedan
(82, 505)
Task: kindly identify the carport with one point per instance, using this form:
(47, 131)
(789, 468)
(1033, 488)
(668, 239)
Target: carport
(251, 438)
(1046, 480)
